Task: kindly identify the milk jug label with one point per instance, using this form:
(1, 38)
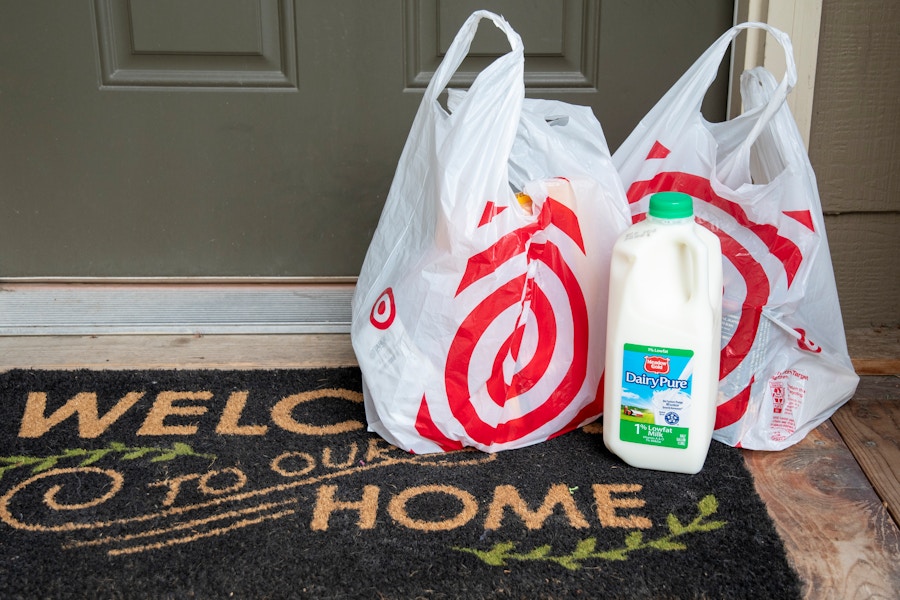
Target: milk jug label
(656, 396)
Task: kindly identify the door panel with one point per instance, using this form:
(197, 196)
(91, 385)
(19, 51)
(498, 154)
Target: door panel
(258, 138)
(196, 43)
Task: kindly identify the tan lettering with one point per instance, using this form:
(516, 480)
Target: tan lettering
(165, 406)
(90, 424)
(397, 508)
(278, 468)
(379, 450)
(174, 486)
(231, 416)
(557, 495)
(607, 505)
(205, 485)
(326, 504)
(328, 462)
(281, 413)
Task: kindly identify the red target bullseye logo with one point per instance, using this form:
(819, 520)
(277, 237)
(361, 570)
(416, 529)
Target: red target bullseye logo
(541, 328)
(756, 281)
(383, 311)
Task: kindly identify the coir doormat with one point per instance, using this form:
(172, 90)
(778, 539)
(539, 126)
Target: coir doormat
(252, 484)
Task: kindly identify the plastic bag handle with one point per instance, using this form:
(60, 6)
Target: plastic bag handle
(459, 49)
(777, 98)
(710, 60)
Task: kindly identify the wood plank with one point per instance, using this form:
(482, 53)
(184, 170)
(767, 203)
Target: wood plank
(839, 536)
(875, 350)
(870, 431)
(177, 352)
(867, 345)
(875, 388)
(869, 366)
(870, 426)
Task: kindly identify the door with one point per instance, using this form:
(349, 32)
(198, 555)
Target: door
(257, 139)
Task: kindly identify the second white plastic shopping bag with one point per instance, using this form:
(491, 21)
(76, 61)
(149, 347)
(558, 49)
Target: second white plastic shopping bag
(784, 361)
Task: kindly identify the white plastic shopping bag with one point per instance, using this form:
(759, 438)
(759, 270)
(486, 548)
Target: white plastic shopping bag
(784, 363)
(479, 320)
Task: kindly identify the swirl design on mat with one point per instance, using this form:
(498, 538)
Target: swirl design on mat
(499, 361)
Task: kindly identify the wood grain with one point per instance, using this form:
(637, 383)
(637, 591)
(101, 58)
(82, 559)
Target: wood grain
(839, 536)
(177, 352)
(867, 346)
(875, 350)
(870, 426)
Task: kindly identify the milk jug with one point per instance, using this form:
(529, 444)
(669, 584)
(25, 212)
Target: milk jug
(663, 339)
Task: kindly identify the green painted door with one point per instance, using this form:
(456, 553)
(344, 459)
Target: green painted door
(258, 138)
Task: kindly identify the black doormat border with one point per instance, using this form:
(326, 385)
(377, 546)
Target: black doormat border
(212, 484)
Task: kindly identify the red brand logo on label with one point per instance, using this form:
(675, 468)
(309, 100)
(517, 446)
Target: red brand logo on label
(656, 364)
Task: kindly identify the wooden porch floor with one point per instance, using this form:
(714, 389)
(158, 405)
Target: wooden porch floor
(834, 497)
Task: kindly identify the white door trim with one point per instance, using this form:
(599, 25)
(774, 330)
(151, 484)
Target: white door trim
(801, 20)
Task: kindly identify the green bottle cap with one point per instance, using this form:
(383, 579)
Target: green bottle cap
(671, 205)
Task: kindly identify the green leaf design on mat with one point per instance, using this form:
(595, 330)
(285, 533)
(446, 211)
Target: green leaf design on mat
(586, 549)
(86, 457)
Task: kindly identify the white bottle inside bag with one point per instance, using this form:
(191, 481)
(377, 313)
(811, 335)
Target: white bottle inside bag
(663, 339)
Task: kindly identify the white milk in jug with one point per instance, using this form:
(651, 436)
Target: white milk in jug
(663, 339)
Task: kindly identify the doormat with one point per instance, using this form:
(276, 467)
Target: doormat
(251, 484)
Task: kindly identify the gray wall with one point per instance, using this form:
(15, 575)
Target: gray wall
(855, 151)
